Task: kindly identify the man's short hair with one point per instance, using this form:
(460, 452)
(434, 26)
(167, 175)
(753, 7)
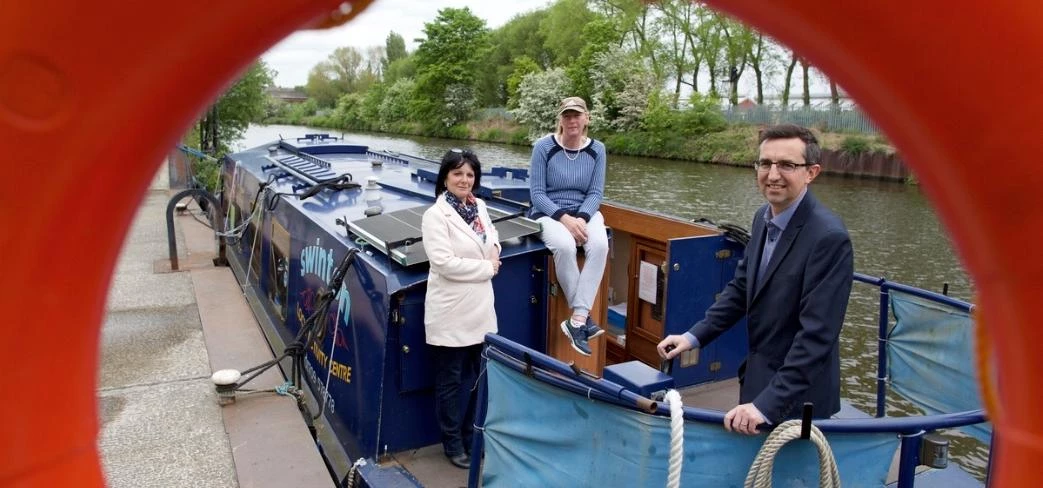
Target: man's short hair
(812, 151)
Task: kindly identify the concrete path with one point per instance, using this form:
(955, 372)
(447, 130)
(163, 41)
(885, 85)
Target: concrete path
(164, 335)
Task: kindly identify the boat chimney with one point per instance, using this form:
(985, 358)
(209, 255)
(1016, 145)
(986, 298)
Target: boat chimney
(373, 196)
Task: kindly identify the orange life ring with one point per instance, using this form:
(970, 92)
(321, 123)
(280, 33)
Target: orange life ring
(91, 96)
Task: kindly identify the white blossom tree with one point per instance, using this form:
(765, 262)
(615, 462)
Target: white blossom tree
(538, 97)
(622, 86)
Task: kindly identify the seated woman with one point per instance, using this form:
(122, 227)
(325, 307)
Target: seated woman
(566, 184)
(464, 252)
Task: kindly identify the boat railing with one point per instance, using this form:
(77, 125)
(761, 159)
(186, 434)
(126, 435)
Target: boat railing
(909, 430)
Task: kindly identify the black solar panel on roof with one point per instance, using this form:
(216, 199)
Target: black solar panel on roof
(400, 231)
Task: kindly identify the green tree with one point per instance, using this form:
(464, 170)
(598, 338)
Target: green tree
(244, 102)
(738, 41)
(522, 66)
(394, 49)
(344, 71)
(602, 34)
(677, 21)
(563, 30)
(394, 108)
(447, 61)
(400, 68)
(519, 38)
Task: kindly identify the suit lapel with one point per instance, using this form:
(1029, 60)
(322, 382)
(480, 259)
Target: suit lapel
(457, 221)
(789, 235)
(753, 263)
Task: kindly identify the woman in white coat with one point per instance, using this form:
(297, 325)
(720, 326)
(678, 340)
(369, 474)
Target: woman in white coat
(464, 253)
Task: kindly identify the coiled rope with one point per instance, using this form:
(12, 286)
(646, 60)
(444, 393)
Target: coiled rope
(673, 398)
(760, 471)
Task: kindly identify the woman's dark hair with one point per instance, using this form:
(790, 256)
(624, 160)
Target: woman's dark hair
(812, 151)
(455, 158)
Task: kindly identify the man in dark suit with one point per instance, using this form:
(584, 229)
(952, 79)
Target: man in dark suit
(792, 287)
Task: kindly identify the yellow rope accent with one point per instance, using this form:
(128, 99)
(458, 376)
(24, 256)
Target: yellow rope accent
(983, 355)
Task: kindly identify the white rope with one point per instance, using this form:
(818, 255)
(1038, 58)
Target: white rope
(760, 471)
(673, 398)
(352, 479)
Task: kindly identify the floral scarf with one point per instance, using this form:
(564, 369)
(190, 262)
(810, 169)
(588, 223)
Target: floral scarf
(468, 210)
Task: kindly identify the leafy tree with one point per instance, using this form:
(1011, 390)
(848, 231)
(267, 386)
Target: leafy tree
(711, 43)
(369, 111)
(519, 38)
(538, 97)
(344, 71)
(395, 105)
(563, 30)
(759, 55)
(523, 65)
(245, 102)
(678, 21)
(603, 34)
(394, 49)
(400, 68)
(321, 87)
(636, 18)
(348, 113)
(737, 42)
(450, 56)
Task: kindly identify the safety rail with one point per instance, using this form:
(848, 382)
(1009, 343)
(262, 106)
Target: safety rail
(911, 429)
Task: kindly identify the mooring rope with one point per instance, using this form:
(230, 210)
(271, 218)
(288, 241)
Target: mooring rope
(673, 398)
(760, 471)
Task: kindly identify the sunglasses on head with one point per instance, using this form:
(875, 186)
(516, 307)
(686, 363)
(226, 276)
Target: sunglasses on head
(466, 153)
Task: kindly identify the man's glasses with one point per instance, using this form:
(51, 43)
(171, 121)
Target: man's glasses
(787, 167)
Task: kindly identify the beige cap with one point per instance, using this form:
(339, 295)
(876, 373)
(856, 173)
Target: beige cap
(572, 103)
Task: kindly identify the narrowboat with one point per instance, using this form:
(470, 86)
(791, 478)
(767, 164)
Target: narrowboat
(324, 237)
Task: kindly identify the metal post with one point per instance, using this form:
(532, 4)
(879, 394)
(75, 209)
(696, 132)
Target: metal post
(219, 224)
(478, 437)
(908, 459)
(881, 354)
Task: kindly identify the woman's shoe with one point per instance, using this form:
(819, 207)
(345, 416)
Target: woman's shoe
(462, 461)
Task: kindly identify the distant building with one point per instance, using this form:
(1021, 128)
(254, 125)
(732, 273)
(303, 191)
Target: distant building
(288, 95)
(747, 104)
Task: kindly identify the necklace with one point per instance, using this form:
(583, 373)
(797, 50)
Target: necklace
(567, 150)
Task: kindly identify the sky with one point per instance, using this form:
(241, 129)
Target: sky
(296, 55)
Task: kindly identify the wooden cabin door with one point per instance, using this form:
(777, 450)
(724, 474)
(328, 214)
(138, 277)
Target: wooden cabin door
(645, 317)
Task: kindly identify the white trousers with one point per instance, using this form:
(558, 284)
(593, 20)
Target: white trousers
(580, 286)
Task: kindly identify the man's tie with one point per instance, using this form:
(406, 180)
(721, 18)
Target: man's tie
(769, 248)
(773, 231)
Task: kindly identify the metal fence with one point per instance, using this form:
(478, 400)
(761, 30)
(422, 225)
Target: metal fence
(829, 119)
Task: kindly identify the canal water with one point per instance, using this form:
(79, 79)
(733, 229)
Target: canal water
(894, 231)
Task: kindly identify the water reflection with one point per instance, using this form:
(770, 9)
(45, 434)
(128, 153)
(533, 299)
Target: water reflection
(894, 231)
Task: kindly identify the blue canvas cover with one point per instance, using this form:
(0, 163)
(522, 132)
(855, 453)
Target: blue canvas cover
(540, 435)
(930, 358)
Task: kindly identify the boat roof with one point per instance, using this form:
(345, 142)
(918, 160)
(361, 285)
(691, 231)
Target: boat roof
(401, 185)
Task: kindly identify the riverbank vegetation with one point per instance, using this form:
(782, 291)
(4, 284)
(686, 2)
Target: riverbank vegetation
(661, 78)
(225, 121)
